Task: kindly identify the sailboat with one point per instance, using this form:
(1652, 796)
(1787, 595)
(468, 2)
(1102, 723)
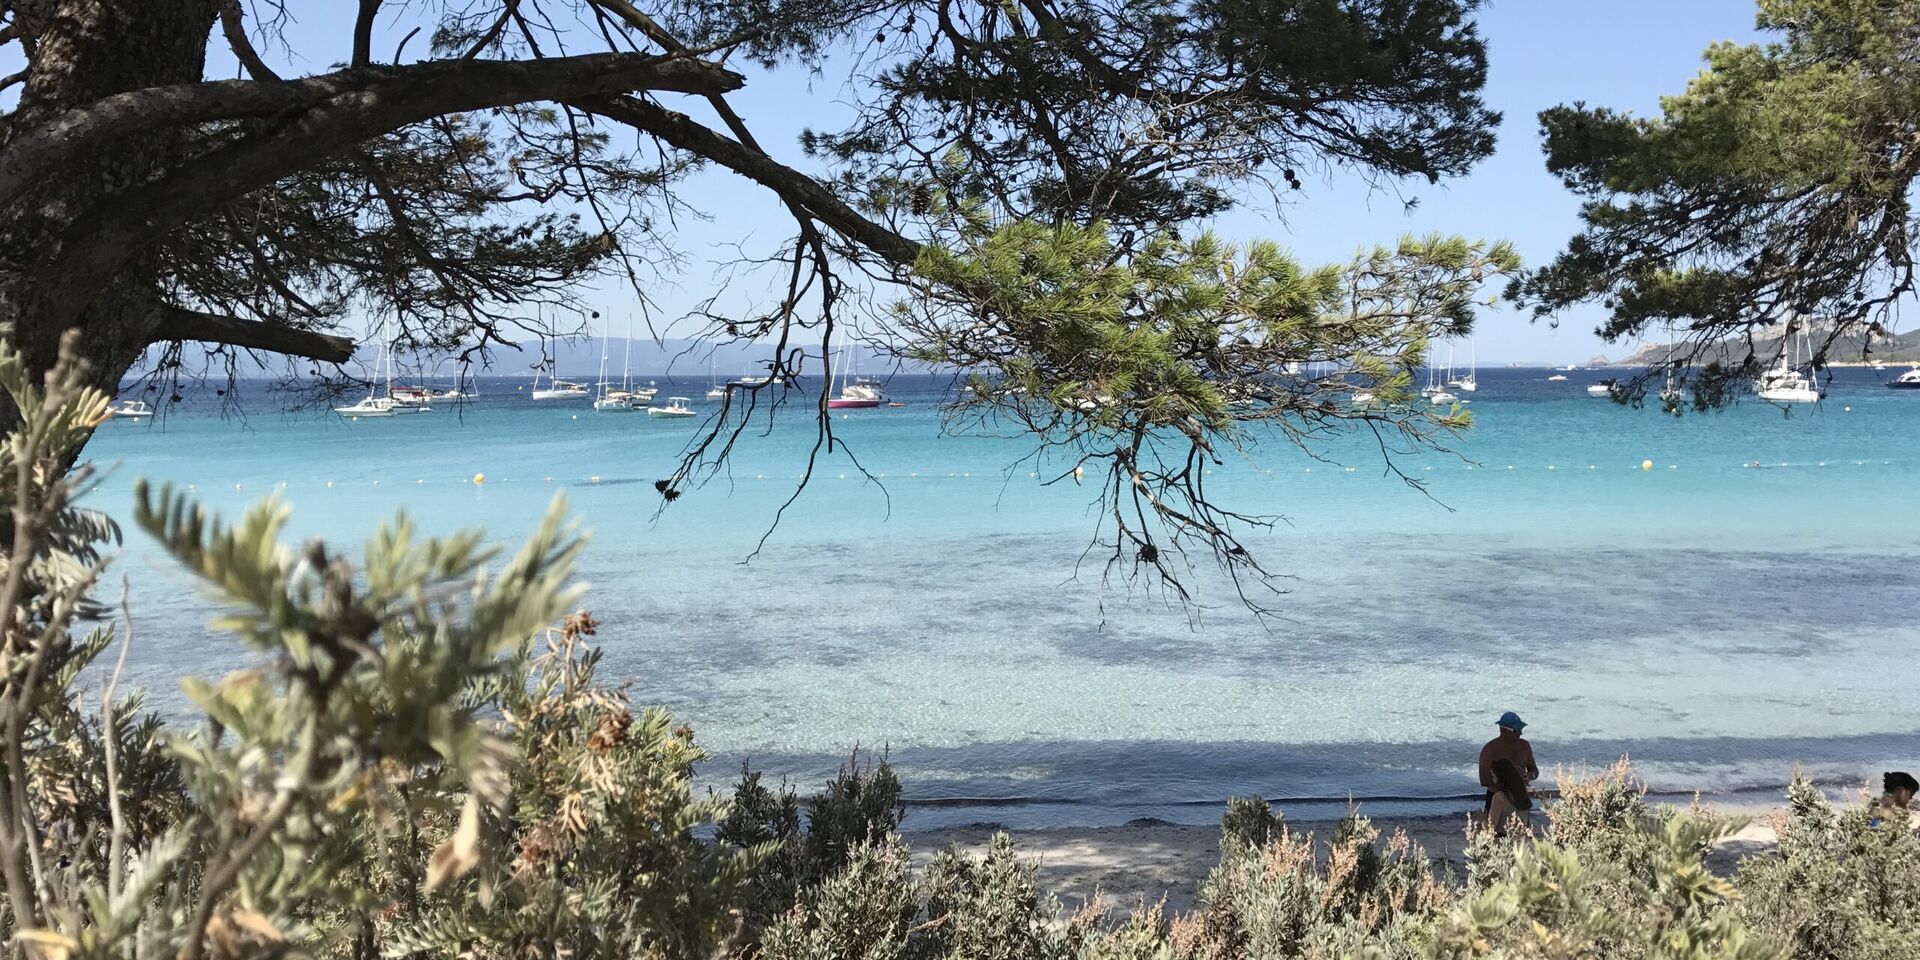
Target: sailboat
(557, 389)
(1671, 393)
(855, 394)
(607, 402)
(375, 405)
(635, 398)
(715, 390)
(1471, 381)
(1786, 383)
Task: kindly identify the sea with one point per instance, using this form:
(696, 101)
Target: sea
(1725, 598)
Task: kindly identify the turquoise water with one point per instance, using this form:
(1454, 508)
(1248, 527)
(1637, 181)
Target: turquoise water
(1720, 622)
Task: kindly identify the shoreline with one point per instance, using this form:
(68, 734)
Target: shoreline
(1153, 861)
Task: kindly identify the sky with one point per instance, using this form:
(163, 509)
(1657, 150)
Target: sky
(1623, 54)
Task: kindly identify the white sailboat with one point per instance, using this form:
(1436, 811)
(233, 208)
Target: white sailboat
(1471, 381)
(557, 389)
(606, 402)
(634, 398)
(715, 390)
(1433, 386)
(1786, 383)
(375, 405)
(855, 393)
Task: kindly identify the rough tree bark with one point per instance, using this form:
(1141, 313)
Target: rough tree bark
(89, 49)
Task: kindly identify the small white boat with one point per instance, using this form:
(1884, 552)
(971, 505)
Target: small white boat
(1363, 398)
(370, 407)
(1556, 377)
(130, 410)
(1906, 381)
(676, 407)
(1442, 398)
(1602, 389)
(716, 393)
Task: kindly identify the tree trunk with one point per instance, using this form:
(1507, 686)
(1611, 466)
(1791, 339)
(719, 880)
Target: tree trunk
(89, 49)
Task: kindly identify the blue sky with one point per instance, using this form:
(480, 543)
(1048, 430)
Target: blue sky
(1624, 54)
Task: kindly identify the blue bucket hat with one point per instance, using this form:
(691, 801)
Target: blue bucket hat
(1511, 721)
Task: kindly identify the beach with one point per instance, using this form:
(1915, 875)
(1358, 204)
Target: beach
(1148, 861)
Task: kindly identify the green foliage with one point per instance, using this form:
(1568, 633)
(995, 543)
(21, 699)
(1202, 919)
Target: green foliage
(1838, 886)
(1275, 899)
(1153, 356)
(861, 807)
(1776, 188)
(1553, 902)
(1249, 822)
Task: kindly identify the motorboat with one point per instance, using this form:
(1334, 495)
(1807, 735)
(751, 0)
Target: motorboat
(676, 407)
(1363, 398)
(1906, 381)
(1556, 377)
(1602, 389)
(1442, 398)
(130, 410)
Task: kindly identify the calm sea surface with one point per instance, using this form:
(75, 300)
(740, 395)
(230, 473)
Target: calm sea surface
(1722, 623)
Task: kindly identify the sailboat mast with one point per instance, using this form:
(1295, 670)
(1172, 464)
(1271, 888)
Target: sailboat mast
(626, 363)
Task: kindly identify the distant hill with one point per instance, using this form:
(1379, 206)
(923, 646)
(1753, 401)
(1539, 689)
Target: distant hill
(1901, 348)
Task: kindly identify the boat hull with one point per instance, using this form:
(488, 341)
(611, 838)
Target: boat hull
(1791, 395)
(838, 404)
(1906, 385)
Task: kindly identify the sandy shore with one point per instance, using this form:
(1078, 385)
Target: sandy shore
(1150, 859)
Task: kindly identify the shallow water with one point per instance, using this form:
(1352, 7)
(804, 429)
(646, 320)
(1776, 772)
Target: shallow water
(1721, 622)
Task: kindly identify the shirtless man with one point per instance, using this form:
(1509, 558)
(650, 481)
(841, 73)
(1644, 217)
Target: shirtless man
(1507, 746)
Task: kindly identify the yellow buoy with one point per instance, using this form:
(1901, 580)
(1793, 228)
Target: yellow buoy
(1646, 464)
(479, 478)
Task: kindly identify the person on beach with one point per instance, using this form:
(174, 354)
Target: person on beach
(1511, 799)
(1511, 747)
(1899, 789)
